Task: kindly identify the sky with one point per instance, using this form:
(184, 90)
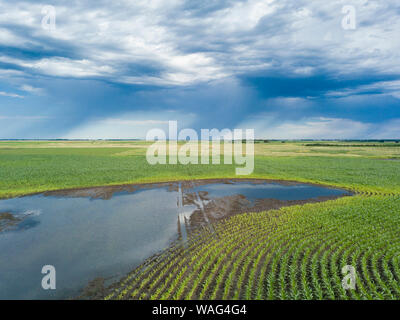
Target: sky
(288, 69)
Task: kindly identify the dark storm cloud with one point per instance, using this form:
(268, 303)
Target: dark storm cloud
(220, 63)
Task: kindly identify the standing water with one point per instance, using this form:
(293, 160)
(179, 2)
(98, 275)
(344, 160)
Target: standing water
(106, 232)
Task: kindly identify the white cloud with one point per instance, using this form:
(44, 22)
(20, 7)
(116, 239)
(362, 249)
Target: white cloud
(31, 89)
(10, 39)
(388, 130)
(269, 127)
(23, 117)
(242, 15)
(266, 126)
(12, 95)
(116, 121)
(63, 67)
(304, 70)
(129, 126)
(289, 102)
(184, 46)
(384, 87)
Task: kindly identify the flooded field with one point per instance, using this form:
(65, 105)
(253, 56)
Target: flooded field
(105, 232)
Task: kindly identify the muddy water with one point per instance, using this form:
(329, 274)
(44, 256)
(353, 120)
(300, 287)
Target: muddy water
(105, 232)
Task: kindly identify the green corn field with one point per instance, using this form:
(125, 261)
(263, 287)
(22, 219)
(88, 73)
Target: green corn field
(293, 253)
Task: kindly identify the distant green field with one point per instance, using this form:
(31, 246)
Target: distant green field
(292, 253)
(60, 165)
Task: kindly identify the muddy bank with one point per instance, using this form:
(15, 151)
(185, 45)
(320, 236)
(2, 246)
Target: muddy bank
(107, 192)
(225, 207)
(95, 290)
(7, 220)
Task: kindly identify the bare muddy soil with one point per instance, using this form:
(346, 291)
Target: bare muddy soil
(222, 208)
(7, 220)
(107, 192)
(95, 290)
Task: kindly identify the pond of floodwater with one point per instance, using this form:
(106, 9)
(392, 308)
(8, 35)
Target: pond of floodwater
(106, 232)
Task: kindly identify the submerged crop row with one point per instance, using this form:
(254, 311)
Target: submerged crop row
(293, 253)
